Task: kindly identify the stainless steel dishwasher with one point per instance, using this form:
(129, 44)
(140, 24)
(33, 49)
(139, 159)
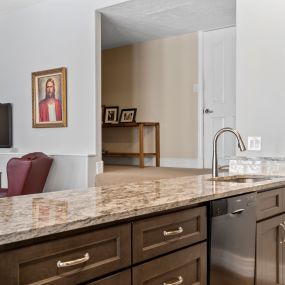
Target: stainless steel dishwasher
(232, 240)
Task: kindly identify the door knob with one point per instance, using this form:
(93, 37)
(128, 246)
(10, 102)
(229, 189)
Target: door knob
(208, 111)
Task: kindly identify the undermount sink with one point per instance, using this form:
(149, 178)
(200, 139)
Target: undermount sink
(242, 178)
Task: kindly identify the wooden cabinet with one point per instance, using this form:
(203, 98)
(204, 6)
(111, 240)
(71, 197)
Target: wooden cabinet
(69, 260)
(270, 250)
(270, 238)
(155, 236)
(187, 266)
(104, 255)
(122, 278)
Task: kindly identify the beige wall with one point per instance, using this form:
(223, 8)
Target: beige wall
(157, 77)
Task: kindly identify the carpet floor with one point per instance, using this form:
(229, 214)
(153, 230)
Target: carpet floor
(117, 174)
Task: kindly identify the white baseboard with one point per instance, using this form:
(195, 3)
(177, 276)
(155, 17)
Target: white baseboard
(129, 161)
(180, 162)
(164, 162)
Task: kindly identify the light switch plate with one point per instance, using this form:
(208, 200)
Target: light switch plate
(99, 167)
(254, 143)
(195, 88)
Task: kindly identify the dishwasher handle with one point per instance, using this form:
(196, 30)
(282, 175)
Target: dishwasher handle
(238, 211)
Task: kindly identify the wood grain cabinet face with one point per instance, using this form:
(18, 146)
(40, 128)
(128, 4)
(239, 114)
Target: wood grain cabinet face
(270, 252)
(270, 203)
(187, 266)
(123, 278)
(155, 236)
(108, 249)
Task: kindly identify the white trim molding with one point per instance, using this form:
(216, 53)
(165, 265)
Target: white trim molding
(180, 162)
(98, 79)
(201, 99)
(164, 162)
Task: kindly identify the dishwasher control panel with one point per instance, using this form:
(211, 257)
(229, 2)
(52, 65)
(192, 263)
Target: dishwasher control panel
(232, 204)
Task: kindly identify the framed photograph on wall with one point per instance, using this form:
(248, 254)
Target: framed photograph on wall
(49, 98)
(111, 115)
(128, 115)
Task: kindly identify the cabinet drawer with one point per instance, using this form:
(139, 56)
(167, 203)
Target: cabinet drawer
(108, 250)
(123, 278)
(187, 266)
(269, 203)
(158, 235)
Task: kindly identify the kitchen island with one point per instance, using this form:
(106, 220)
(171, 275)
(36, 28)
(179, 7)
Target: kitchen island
(133, 227)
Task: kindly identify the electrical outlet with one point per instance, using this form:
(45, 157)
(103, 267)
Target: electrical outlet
(254, 143)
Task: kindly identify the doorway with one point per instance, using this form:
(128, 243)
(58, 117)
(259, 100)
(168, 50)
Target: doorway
(121, 29)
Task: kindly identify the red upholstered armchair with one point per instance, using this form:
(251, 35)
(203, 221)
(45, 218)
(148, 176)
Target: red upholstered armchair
(27, 175)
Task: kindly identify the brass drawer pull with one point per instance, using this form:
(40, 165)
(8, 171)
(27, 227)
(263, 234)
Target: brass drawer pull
(179, 281)
(61, 264)
(173, 233)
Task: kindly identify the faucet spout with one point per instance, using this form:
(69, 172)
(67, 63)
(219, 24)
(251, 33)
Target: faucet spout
(241, 145)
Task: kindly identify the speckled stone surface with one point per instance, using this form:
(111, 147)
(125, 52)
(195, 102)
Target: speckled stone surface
(257, 165)
(31, 216)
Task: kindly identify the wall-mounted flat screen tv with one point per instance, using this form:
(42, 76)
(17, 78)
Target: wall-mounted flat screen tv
(6, 125)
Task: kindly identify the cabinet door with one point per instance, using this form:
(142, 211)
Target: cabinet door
(269, 251)
(187, 266)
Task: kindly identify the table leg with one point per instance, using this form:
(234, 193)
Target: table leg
(141, 139)
(157, 145)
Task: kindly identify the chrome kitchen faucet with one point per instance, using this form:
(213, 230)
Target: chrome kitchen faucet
(241, 146)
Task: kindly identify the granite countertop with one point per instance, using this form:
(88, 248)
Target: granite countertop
(31, 216)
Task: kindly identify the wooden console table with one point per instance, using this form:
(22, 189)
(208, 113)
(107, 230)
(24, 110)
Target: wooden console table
(141, 154)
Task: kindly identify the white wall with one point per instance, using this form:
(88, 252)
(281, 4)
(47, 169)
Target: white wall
(261, 73)
(51, 34)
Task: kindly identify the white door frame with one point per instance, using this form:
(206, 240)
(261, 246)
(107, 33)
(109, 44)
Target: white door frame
(99, 164)
(201, 99)
(201, 146)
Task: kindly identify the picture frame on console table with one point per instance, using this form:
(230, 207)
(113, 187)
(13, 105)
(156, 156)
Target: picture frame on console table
(128, 115)
(111, 115)
(49, 96)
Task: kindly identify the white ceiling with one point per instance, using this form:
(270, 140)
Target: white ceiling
(7, 6)
(142, 20)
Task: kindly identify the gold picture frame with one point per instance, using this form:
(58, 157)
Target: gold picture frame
(49, 88)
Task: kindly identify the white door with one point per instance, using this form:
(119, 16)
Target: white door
(219, 92)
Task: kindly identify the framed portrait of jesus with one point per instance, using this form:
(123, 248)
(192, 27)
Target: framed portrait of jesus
(49, 98)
